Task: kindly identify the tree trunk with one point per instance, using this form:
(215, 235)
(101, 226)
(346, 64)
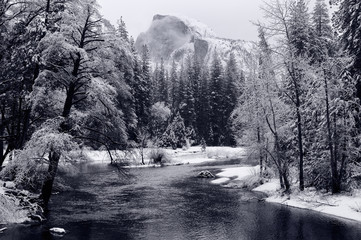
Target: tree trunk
(54, 157)
(2, 156)
(260, 151)
(286, 182)
(142, 154)
(281, 178)
(47, 12)
(25, 129)
(69, 100)
(297, 92)
(300, 143)
(342, 168)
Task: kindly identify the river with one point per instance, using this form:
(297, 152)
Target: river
(171, 203)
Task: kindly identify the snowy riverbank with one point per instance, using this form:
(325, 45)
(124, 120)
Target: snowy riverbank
(10, 210)
(345, 205)
(192, 155)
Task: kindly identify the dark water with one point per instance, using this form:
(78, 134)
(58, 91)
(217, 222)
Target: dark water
(171, 203)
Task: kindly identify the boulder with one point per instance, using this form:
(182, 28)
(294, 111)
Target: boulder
(10, 185)
(205, 174)
(57, 230)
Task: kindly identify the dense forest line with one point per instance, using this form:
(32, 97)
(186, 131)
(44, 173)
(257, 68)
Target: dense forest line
(303, 100)
(70, 80)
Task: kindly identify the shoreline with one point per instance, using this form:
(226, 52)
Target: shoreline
(346, 206)
(324, 213)
(10, 207)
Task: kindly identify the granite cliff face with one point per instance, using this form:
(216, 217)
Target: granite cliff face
(174, 38)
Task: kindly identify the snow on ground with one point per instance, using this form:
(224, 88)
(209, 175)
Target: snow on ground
(193, 155)
(10, 212)
(226, 152)
(345, 205)
(236, 173)
(222, 180)
(269, 187)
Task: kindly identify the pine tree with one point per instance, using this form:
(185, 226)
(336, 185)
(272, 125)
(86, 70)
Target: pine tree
(299, 28)
(161, 82)
(146, 73)
(348, 22)
(216, 101)
(182, 76)
(196, 85)
(299, 39)
(188, 110)
(203, 114)
(155, 91)
(141, 96)
(175, 134)
(321, 20)
(174, 88)
(231, 94)
(122, 30)
(323, 35)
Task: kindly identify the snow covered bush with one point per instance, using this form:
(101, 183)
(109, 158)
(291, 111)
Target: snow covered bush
(356, 206)
(158, 156)
(29, 166)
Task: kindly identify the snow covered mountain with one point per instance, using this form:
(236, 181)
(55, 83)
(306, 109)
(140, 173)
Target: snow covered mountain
(175, 37)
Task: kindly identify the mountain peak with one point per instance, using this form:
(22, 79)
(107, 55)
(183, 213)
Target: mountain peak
(173, 37)
(159, 17)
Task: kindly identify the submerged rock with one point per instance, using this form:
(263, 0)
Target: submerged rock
(205, 174)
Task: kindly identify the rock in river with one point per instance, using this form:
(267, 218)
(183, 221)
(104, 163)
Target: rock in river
(57, 230)
(205, 174)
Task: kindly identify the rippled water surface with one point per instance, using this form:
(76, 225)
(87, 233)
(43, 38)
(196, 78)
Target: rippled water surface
(171, 203)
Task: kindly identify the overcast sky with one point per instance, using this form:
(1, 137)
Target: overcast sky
(228, 18)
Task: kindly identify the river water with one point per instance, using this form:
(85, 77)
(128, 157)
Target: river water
(171, 203)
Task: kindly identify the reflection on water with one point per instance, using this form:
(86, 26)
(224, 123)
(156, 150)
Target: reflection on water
(171, 203)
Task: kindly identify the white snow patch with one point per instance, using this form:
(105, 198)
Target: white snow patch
(10, 211)
(269, 187)
(226, 152)
(221, 180)
(236, 174)
(345, 205)
(239, 173)
(97, 156)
